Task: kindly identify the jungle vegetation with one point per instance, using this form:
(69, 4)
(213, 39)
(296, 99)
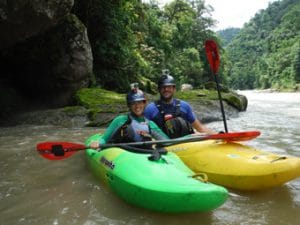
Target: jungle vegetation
(266, 51)
(134, 40)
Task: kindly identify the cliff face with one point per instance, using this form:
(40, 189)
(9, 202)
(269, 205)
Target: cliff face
(22, 19)
(45, 54)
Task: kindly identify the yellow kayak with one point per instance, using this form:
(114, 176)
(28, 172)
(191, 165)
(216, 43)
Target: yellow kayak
(237, 166)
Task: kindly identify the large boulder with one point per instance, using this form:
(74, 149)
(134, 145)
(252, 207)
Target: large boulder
(51, 67)
(22, 19)
(45, 54)
(186, 87)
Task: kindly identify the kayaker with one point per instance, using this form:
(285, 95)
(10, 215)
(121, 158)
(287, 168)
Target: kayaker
(175, 117)
(133, 127)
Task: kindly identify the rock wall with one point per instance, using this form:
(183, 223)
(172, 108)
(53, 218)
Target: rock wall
(22, 19)
(45, 54)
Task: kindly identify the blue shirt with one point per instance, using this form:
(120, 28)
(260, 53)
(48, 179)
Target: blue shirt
(152, 113)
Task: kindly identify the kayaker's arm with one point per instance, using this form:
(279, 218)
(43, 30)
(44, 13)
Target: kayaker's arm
(192, 119)
(113, 126)
(199, 127)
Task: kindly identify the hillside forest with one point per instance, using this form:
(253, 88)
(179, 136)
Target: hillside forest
(135, 40)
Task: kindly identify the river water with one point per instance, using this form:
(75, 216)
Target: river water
(37, 191)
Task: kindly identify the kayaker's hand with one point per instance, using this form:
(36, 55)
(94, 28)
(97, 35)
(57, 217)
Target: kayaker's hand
(95, 145)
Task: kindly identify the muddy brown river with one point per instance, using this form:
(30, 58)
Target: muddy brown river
(36, 191)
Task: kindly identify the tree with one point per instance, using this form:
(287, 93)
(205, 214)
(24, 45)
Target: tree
(297, 65)
(265, 50)
(133, 41)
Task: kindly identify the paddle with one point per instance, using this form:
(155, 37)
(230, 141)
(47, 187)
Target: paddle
(62, 150)
(213, 57)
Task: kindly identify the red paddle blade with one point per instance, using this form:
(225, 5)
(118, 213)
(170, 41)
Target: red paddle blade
(58, 150)
(212, 54)
(236, 136)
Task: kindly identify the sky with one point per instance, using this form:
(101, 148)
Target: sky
(233, 13)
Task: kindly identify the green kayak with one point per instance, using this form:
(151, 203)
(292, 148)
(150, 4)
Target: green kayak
(163, 184)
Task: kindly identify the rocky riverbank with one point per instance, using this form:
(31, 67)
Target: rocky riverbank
(97, 107)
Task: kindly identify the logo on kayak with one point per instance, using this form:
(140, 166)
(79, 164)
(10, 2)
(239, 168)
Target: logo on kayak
(107, 163)
(233, 156)
(177, 149)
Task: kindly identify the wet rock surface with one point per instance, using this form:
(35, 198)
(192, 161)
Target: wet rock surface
(79, 116)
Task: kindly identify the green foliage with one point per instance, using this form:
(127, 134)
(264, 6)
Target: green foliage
(109, 24)
(188, 30)
(96, 97)
(187, 64)
(131, 39)
(265, 53)
(297, 64)
(228, 34)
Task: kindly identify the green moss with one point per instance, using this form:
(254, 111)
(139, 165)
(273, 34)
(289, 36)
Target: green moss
(100, 100)
(230, 97)
(196, 94)
(72, 19)
(240, 102)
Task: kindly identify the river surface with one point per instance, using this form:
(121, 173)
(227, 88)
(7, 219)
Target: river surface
(36, 191)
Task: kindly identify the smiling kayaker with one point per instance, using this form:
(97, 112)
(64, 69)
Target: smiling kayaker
(175, 117)
(133, 127)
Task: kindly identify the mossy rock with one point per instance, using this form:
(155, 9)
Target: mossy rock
(240, 102)
(100, 100)
(197, 94)
(232, 98)
(103, 105)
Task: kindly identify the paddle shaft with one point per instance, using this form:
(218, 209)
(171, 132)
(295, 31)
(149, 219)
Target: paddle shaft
(221, 102)
(212, 53)
(60, 147)
(234, 136)
(168, 141)
(61, 150)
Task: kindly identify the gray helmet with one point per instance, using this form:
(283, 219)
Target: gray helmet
(135, 95)
(166, 80)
